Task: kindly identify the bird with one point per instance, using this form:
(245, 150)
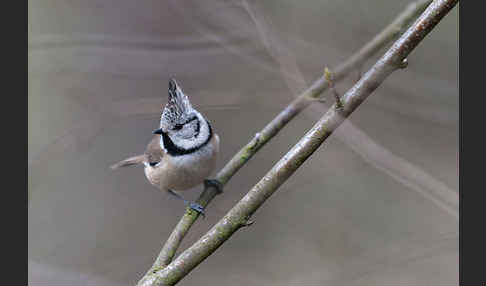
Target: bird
(183, 150)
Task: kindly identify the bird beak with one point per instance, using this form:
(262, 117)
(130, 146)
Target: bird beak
(158, 131)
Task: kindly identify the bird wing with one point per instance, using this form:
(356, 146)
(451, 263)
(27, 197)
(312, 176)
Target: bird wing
(154, 152)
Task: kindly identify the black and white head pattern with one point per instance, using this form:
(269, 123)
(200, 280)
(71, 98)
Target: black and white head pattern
(184, 129)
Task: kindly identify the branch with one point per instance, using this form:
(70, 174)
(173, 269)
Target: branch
(238, 216)
(266, 134)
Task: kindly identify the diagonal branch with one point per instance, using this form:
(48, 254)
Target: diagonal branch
(398, 168)
(271, 129)
(238, 216)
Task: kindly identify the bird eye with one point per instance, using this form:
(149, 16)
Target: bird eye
(177, 127)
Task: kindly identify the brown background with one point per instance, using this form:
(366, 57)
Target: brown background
(366, 209)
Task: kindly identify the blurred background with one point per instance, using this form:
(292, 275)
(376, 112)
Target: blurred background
(377, 204)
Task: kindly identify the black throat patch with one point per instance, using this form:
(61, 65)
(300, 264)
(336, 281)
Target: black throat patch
(175, 150)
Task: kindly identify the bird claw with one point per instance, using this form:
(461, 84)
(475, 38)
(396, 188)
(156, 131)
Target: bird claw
(214, 183)
(198, 208)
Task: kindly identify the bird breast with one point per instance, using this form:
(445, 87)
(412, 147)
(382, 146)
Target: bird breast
(184, 172)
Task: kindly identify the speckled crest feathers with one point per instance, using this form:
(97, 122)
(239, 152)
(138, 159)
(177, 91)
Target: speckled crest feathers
(177, 107)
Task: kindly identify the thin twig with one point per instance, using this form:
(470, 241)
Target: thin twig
(330, 80)
(238, 216)
(271, 129)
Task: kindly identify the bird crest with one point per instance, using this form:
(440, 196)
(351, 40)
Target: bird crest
(177, 107)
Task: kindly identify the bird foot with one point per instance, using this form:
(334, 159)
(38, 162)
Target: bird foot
(195, 206)
(214, 183)
(198, 208)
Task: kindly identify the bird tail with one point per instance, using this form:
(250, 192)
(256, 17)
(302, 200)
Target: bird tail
(129, 161)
